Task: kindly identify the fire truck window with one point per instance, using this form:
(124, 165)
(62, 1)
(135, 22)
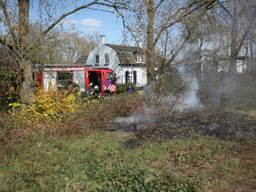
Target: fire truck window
(109, 76)
(64, 79)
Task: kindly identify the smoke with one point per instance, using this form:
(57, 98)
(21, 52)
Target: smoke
(189, 100)
(178, 90)
(157, 107)
(146, 114)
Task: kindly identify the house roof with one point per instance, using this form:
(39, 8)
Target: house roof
(126, 54)
(82, 59)
(126, 58)
(124, 48)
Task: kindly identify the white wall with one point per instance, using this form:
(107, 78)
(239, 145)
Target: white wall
(141, 75)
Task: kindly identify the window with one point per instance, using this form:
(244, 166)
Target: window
(64, 79)
(106, 59)
(131, 77)
(97, 60)
(126, 77)
(134, 77)
(139, 58)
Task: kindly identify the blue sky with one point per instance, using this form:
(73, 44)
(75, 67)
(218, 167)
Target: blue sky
(93, 22)
(86, 21)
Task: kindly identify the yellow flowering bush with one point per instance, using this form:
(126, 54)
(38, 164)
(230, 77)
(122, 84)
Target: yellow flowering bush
(52, 105)
(68, 103)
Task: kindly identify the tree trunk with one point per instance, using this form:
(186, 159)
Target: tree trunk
(150, 51)
(23, 25)
(26, 74)
(234, 40)
(26, 88)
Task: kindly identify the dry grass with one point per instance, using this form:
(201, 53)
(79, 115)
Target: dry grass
(99, 161)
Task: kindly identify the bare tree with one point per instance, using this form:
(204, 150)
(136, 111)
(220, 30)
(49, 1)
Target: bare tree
(16, 33)
(157, 18)
(239, 19)
(61, 47)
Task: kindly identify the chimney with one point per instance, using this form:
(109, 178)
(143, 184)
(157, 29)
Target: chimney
(102, 39)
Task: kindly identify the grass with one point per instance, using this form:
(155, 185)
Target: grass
(100, 162)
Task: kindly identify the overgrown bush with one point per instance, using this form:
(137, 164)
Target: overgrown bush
(169, 82)
(98, 113)
(8, 92)
(52, 105)
(47, 106)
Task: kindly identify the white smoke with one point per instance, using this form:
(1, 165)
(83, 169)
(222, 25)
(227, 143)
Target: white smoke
(146, 114)
(189, 99)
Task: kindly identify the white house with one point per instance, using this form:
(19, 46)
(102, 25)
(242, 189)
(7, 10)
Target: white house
(128, 62)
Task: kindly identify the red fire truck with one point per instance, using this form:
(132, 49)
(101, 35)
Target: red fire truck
(62, 76)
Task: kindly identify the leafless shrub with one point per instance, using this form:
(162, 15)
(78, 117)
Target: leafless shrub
(96, 115)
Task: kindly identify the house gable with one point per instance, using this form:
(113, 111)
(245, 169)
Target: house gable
(103, 56)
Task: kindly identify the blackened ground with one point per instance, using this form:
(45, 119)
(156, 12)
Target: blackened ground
(216, 123)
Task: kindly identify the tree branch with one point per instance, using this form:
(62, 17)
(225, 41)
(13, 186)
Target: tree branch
(5, 43)
(178, 49)
(244, 36)
(126, 26)
(202, 3)
(159, 4)
(8, 21)
(67, 14)
(224, 8)
(115, 5)
(102, 10)
(111, 4)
